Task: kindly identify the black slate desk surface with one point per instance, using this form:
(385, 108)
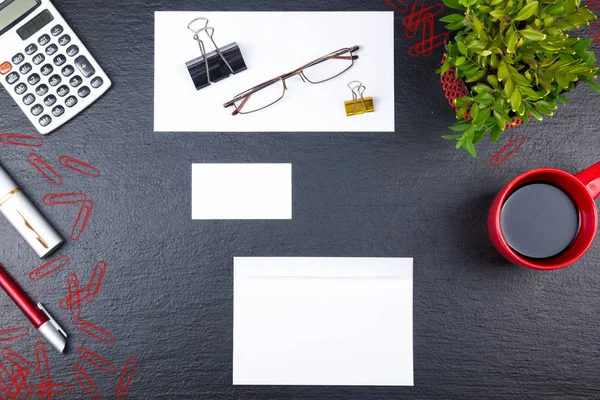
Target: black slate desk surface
(483, 329)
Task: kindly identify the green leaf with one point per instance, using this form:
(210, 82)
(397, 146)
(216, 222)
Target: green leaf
(460, 61)
(454, 4)
(451, 137)
(485, 99)
(515, 100)
(470, 147)
(498, 14)
(563, 99)
(460, 126)
(499, 120)
(592, 83)
(509, 88)
(482, 116)
(502, 71)
(562, 80)
(476, 45)
(556, 9)
(511, 40)
(493, 80)
(477, 26)
(452, 18)
(532, 34)
(495, 133)
(475, 77)
(462, 48)
(527, 11)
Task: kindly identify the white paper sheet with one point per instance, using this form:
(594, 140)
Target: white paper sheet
(323, 321)
(241, 191)
(274, 43)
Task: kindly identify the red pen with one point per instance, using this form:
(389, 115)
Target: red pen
(37, 314)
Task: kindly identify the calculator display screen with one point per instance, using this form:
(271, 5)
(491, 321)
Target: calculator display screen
(12, 10)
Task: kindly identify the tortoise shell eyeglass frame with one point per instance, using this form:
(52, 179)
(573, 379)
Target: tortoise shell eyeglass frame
(336, 55)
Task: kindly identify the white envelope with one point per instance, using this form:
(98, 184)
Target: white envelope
(323, 321)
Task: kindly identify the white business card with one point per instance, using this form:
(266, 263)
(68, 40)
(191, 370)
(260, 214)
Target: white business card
(241, 191)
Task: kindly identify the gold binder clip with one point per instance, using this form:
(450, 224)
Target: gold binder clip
(356, 105)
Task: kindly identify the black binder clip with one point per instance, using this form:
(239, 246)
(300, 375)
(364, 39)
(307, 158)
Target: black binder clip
(216, 65)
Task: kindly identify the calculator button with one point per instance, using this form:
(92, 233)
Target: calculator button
(45, 120)
(38, 59)
(84, 92)
(18, 59)
(50, 100)
(41, 90)
(20, 88)
(28, 99)
(5, 68)
(96, 82)
(76, 81)
(57, 30)
(25, 68)
(51, 49)
(71, 101)
(64, 40)
(58, 111)
(44, 40)
(54, 80)
(63, 91)
(60, 60)
(47, 69)
(84, 66)
(37, 110)
(12, 78)
(72, 50)
(68, 70)
(32, 48)
(33, 79)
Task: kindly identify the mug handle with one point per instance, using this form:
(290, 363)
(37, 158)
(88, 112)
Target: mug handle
(590, 177)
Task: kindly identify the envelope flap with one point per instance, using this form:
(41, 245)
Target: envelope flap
(322, 267)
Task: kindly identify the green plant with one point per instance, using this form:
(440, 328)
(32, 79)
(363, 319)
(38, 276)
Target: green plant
(516, 60)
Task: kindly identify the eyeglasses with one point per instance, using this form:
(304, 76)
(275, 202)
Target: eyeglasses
(270, 92)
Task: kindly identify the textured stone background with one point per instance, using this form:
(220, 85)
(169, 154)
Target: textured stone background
(482, 328)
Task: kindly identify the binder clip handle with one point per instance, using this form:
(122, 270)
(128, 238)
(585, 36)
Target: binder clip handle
(364, 106)
(210, 31)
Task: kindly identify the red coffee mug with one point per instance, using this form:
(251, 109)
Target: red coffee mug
(583, 189)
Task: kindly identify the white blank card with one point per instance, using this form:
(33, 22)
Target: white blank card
(323, 321)
(241, 191)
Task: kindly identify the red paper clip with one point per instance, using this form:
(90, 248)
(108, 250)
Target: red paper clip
(594, 32)
(16, 139)
(63, 198)
(43, 366)
(44, 168)
(401, 6)
(74, 299)
(86, 382)
(126, 378)
(49, 268)
(96, 360)
(82, 219)
(13, 333)
(96, 281)
(79, 166)
(506, 151)
(18, 384)
(54, 389)
(19, 361)
(94, 331)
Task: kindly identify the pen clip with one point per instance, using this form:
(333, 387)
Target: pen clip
(52, 320)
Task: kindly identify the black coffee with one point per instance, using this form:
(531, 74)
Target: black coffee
(539, 220)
